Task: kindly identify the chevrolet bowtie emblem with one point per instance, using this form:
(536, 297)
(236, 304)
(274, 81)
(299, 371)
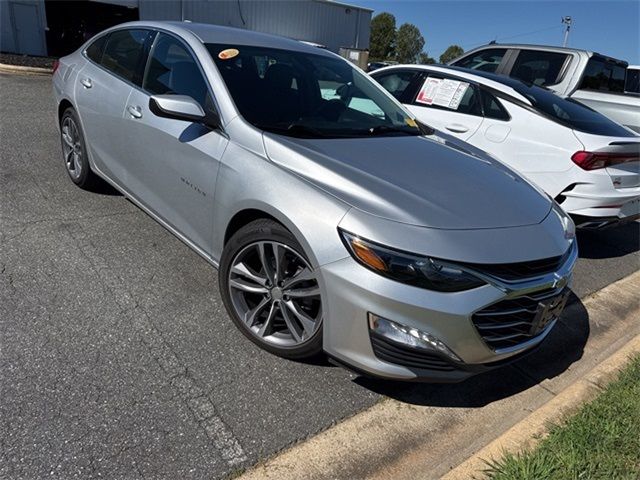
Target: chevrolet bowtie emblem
(559, 281)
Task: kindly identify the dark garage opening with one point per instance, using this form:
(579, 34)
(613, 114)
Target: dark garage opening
(72, 22)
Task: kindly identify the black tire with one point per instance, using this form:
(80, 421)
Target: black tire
(270, 231)
(86, 179)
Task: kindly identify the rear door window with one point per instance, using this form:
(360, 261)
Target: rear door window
(124, 54)
(538, 67)
(604, 75)
(485, 60)
(396, 82)
(445, 93)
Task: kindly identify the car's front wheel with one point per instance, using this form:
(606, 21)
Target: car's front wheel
(74, 151)
(271, 291)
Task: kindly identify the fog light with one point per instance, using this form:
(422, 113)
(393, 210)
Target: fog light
(409, 336)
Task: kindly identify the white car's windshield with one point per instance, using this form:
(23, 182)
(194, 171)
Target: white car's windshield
(307, 95)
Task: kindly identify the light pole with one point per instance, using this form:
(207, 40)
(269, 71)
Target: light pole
(567, 22)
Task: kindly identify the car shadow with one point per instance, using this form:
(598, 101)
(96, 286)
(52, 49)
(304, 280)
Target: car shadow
(564, 346)
(102, 187)
(609, 243)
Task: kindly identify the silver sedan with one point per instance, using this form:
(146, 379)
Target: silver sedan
(338, 223)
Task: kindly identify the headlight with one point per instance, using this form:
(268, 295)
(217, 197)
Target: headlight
(567, 223)
(419, 271)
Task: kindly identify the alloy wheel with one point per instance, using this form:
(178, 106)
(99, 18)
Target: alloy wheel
(275, 293)
(72, 148)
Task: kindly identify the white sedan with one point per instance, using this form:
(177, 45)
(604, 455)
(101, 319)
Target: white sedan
(588, 163)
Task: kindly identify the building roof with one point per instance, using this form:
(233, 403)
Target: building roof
(346, 5)
(209, 33)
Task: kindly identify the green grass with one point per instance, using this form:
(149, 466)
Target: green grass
(601, 442)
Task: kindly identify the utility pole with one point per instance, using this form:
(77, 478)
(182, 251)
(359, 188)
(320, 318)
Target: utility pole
(566, 21)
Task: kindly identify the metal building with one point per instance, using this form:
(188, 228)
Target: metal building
(57, 27)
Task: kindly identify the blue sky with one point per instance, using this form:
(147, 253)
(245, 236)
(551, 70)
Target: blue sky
(608, 27)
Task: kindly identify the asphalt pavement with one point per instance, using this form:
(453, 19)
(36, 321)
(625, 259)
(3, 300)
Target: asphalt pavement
(117, 358)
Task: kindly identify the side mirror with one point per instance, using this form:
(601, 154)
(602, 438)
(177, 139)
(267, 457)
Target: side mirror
(182, 107)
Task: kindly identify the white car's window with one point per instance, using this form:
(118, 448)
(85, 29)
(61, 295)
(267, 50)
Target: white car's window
(444, 93)
(396, 82)
(124, 53)
(484, 60)
(173, 70)
(492, 107)
(571, 113)
(310, 95)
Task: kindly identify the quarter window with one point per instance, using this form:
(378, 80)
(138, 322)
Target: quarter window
(537, 67)
(124, 52)
(493, 108)
(396, 83)
(94, 51)
(449, 94)
(484, 60)
(173, 70)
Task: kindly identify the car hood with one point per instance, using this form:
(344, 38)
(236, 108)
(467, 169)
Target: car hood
(413, 180)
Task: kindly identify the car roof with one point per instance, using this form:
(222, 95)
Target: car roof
(546, 48)
(531, 46)
(208, 33)
(497, 82)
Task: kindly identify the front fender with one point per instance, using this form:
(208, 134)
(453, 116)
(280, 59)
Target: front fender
(247, 180)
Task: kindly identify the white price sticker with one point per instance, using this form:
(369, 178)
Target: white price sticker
(442, 92)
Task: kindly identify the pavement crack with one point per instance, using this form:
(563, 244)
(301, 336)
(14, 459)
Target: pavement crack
(190, 393)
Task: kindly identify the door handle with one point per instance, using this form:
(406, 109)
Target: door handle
(86, 82)
(134, 111)
(457, 128)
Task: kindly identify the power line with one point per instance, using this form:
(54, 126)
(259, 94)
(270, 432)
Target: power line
(515, 36)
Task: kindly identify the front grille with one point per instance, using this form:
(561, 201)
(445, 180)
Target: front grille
(508, 323)
(521, 270)
(399, 354)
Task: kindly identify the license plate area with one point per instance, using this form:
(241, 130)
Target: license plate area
(548, 311)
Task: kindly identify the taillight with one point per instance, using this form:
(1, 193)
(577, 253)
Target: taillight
(596, 160)
(56, 64)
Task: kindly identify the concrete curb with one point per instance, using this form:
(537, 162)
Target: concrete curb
(6, 68)
(528, 432)
(398, 440)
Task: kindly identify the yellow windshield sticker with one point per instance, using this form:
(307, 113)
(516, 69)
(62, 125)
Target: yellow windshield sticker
(411, 122)
(228, 53)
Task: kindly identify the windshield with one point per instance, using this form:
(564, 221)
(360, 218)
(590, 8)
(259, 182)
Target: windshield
(571, 113)
(307, 95)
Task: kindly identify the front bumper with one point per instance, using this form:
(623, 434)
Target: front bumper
(352, 292)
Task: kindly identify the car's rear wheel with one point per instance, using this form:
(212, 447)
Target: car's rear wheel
(74, 151)
(271, 291)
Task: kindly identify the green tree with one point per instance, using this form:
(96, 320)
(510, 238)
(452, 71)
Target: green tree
(425, 59)
(453, 51)
(383, 36)
(409, 43)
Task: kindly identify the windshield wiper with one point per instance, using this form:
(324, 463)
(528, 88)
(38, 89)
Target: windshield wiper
(382, 129)
(293, 130)
(425, 129)
(299, 128)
